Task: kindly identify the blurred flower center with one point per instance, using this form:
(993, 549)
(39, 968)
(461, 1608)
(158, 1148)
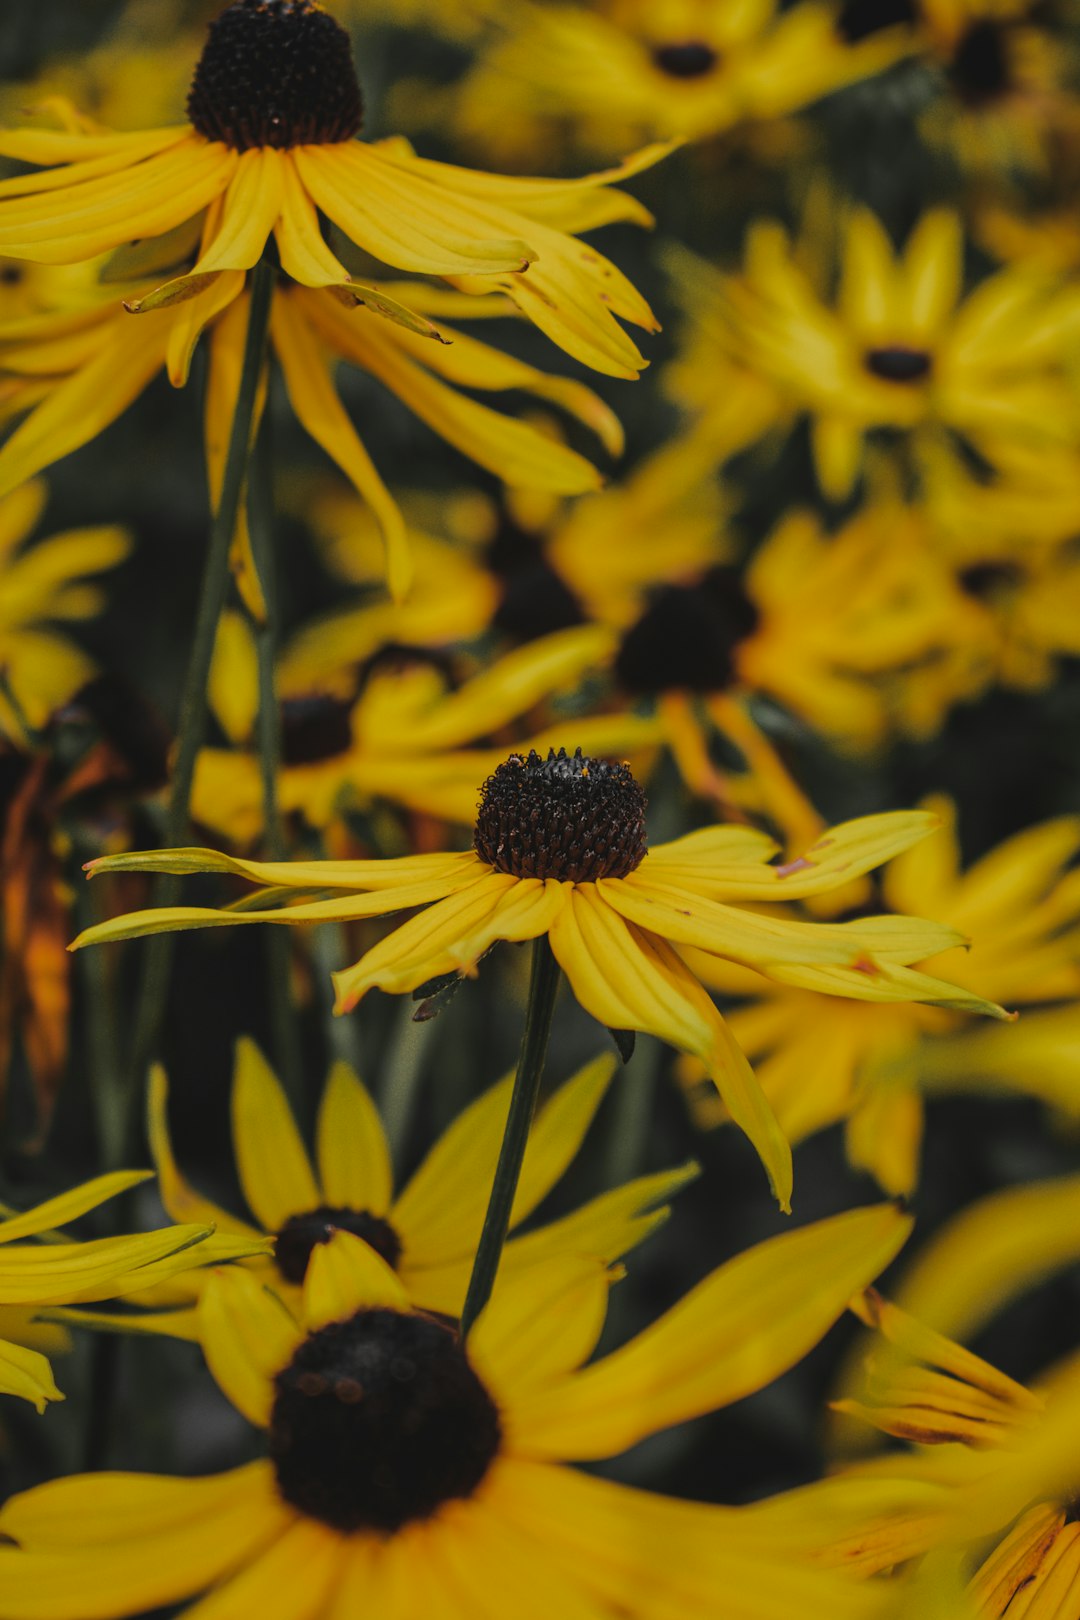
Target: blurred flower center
(987, 580)
(687, 636)
(860, 18)
(314, 728)
(275, 73)
(566, 817)
(535, 599)
(302, 1234)
(896, 363)
(378, 1421)
(980, 68)
(687, 59)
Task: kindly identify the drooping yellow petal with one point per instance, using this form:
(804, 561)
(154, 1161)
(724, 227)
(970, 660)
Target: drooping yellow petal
(252, 205)
(322, 414)
(451, 936)
(345, 1276)
(406, 872)
(247, 1337)
(305, 256)
(275, 1171)
(734, 1333)
(351, 1149)
(55, 1273)
(27, 1374)
(630, 979)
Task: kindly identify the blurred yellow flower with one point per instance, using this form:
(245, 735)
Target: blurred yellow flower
(897, 347)
(41, 585)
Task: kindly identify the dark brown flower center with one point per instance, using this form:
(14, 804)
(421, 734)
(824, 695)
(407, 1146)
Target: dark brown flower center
(565, 817)
(535, 599)
(315, 728)
(860, 18)
(685, 59)
(895, 363)
(275, 73)
(988, 581)
(687, 637)
(379, 1420)
(979, 70)
(302, 1234)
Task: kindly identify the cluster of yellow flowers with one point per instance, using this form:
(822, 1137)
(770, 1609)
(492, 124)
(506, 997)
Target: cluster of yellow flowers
(848, 519)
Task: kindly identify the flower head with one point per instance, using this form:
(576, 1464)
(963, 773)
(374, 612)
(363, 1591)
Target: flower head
(405, 1466)
(427, 1230)
(615, 936)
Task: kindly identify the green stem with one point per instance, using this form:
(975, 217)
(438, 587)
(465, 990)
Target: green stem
(633, 1112)
(543, 989)
(157, 966)
(278, 943)
(401, 1073)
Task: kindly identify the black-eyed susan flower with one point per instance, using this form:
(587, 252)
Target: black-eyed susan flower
(274, 108)
(41, 586)
(627, 70)
(897, 346)
(560, 850)
(409, 1474)
(36, 1276)
(821, 1061)
(394, 728)
(427, 1231)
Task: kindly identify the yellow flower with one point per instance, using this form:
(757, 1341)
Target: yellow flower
(628, 70)
(898, 347)
(405, 736)
(408, 1474)
(39, 586)
(262, 157)
(824, 1061)
(41, 1277)
(428, 1231)
(560, 850)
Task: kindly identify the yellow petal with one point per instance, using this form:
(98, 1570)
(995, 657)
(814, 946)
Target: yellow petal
(305, 256)
(248, 1337)
(275, 1171)
(345, 1276)
(181, 1201)
(440, 1213)
(251, 209)
(292, 1580)
(27, 1374)
(737, 1331)
(58, 1272)
(541, 1324)
(322, 414)
(630, 979)
(351, 1149)
(216, 1526)
(70, 1205)
(845, 851)
(607, 1226)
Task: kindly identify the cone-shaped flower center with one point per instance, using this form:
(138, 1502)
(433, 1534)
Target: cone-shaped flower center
(686, 59)
(565, 817)
(687, 636)
(275, 73)
(980, 67)
(898, 364)
(301, 1234)
(378, 1421)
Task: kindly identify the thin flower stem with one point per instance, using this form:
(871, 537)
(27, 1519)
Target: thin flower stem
(543, 989)
(278, 944)
(401, 1076)
(215, 585)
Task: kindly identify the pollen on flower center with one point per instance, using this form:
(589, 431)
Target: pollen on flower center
(379, 1420)
(303, 1233)
(275, 73)
(686, 59)
(898, 364)
(566, 817)
(687, 636)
